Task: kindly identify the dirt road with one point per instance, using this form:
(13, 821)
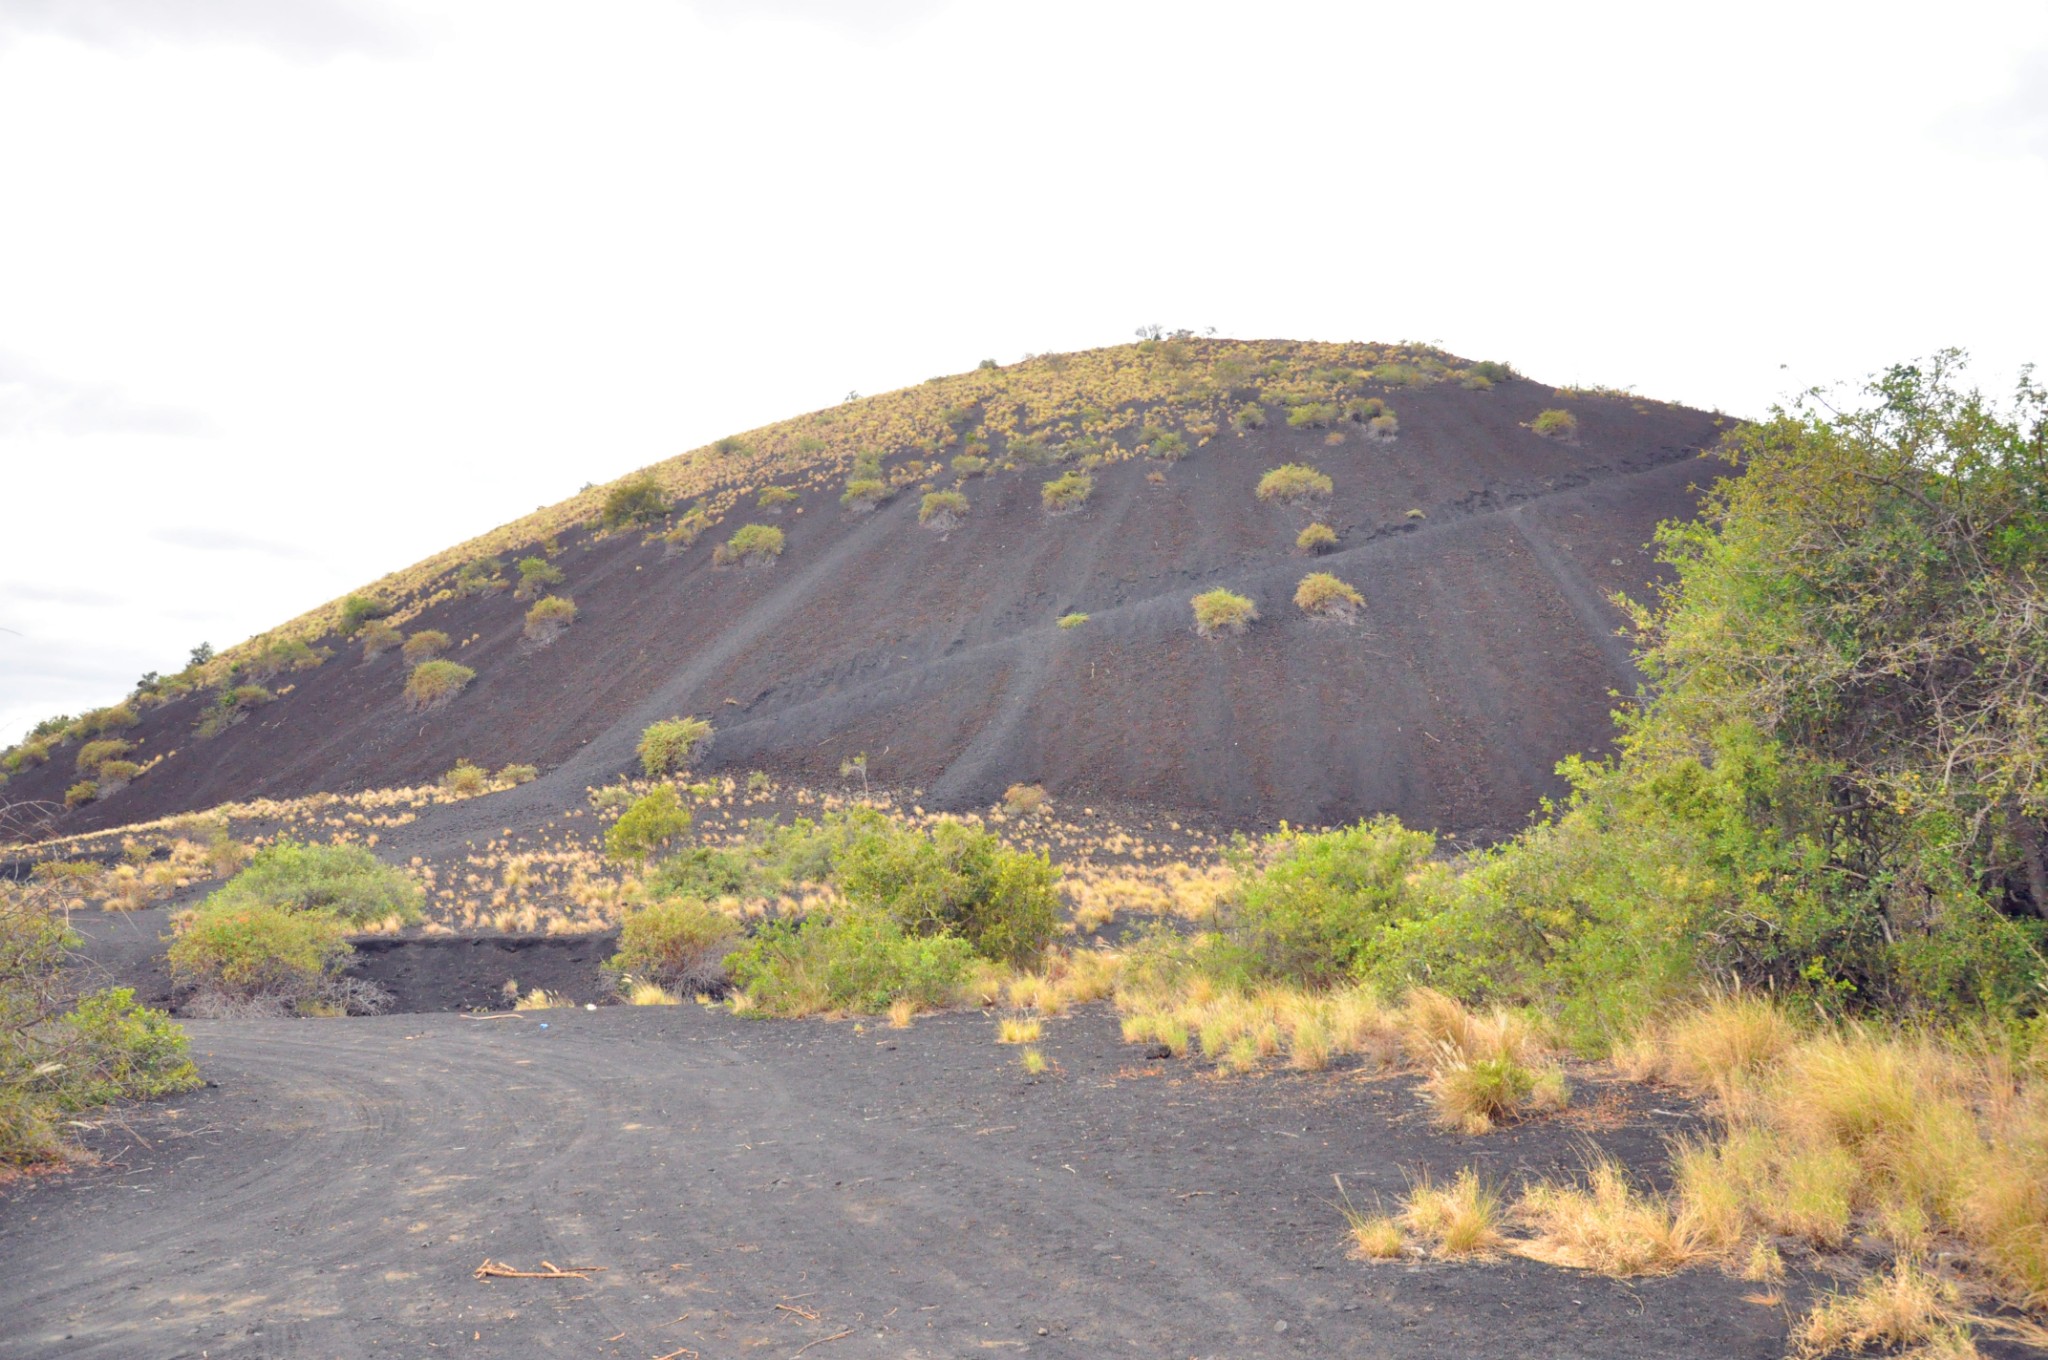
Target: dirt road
(756, 1188)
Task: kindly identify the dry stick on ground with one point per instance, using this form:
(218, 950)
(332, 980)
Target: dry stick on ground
(498, 1270)
(819, 1342)
(680, 1353)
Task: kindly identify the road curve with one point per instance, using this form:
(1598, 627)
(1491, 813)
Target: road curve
(755, 1187)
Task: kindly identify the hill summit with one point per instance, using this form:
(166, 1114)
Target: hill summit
(1405, 561)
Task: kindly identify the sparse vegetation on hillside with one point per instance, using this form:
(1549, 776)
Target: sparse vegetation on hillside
(1295, 483)
(638, 500)
(1324, 595)
(942, 510)
(751, 545)
(1555, 424)
(435, 683)
(1316, 538)
(378, 637)
(345, 881)
(1073, 620)
(536, 574)
(424, 645)
(649, 825)
(865, 493)
(548, 618)
(669, 746)
(1221, 611)
(356, 611)
(676, 943)
(1067, 492)
(774, 498)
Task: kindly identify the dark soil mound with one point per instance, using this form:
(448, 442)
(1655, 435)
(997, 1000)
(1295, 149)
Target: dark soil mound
(1486, 649)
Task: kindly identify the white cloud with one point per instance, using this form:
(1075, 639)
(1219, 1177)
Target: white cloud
(296, 28)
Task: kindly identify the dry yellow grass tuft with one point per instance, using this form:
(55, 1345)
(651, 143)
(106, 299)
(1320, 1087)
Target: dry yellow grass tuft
(1459, 1219)
(1607, 1226)
(1013, 1029)
(651, 994)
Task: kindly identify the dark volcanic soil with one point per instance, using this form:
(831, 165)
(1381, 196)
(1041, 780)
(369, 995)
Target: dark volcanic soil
(1486, 653)
(753, 1187)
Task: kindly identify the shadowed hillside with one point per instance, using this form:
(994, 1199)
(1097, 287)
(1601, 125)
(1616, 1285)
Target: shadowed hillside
(896, 623)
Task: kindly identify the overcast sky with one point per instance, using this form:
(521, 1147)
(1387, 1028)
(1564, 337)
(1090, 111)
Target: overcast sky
(294, 292)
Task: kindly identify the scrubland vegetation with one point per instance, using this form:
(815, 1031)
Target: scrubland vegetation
(1222, 611)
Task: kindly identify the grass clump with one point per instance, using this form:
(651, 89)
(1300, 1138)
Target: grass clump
(1024, 800)
(1555, 424)
(1327, 597)
(1311, 415)
(1459, 1219)
(356, 611)
(1073, 620)
(969, 465)
(424, 645)
(863, 494)
(1315, 539)
(434, 684)
(648, 825)
(81, 793)
(1384, 428)
(1607, 1226)
(1018, 1029)
(94, 754)
(536, 574)
(942, 510)
(671, 744)
(1250, 416)
(1221, 611)
(752, 545)
(1067, 492)
(678, 944)
(774, 498)
(379, 637)
(466, 779)
(1904, 1306)
(1295, 483)
(548, 619)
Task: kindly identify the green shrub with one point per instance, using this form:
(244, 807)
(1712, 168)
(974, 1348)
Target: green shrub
(1317, 538)
(942, 509)
(249, 950)
(379, 637)
(358, 610)
(1492, 371)
(678, 943)
(1395, 375)
(517, 774)
(96, 753)
(1313, 415)
(1382, 427)
(863, 494)
(1220, 611)
(1074, 620)
(1067, 492)
(958, 880)
(285, 654)
(1250, 416)
(1323, 594)
(1294, 482)
(424, 645)
(435, 683)
(110, 1049)
(466, 779)
(969, 465)
(230, 706)
(117, 774)
(1555, 424)
(859, 962)
(1168, 446)
(548, 617)
(773, 497)
(347, 882)
(636, 500)
(81, 793)
(100, 721)
(671, 744)
(1316, 912)
(1364, 410)
(653, 820)
(480, 577)
(535, 575)
(752, 545)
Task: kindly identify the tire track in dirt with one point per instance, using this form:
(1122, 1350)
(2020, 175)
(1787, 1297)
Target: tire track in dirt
(331, 1197)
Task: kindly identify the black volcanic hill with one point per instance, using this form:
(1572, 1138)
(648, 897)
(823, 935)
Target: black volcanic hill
(1485, 649)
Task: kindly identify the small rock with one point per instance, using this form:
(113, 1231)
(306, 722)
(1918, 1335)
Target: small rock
(1158, 1051)
(1279, 1327)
